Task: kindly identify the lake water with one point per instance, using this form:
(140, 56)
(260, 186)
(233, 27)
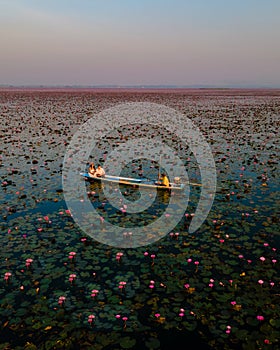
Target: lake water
(218, 286)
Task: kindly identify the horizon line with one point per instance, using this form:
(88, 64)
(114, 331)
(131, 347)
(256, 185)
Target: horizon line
(139, 86)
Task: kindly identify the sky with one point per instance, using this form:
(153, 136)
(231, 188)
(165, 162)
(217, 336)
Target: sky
(140, 42)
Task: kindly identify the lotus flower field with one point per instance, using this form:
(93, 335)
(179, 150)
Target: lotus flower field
(218, 288)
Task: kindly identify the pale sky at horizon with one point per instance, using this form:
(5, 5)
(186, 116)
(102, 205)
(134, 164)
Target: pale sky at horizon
(129, 42)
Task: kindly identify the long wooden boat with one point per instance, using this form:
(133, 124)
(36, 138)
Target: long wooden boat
(134, 182)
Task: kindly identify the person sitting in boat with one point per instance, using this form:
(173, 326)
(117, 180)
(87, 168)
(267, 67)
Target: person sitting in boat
(100, 172)
(164, 180)
(91, 170)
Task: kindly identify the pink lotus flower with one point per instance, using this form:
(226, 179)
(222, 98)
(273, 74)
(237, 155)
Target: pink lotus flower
(119, 256)
(122, 285)
(228, 330)
(260, 318)
(94, 293)
(125, 318)
(61, 300)
(262, 258)
(91, 319)
(157, 315)
(72, 255)
(7, 276)
(28, 262)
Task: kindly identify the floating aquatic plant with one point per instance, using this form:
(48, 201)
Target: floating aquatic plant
(221, 284)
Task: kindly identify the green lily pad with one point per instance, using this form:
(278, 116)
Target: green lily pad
(152, 343)
(127, 343)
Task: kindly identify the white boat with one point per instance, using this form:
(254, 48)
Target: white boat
(134, 182)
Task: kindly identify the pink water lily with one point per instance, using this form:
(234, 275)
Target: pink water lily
(119, 256)
(72, 255)
(94, 293)
(122, 285)
(91, 319)
(153, 258)
(72, 277)
(7, 276)
(228, 329)
(28, 262)
(124, 318)
(61, 300)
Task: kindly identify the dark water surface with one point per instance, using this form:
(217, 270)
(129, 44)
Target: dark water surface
(218, 287)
